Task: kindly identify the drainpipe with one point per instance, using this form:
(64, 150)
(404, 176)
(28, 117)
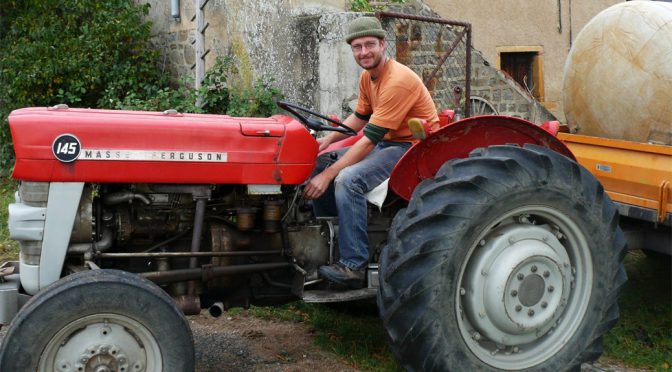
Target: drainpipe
(175, 9)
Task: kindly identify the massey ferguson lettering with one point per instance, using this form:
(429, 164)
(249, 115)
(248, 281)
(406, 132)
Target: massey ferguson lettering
(150, 155)
(67, 148)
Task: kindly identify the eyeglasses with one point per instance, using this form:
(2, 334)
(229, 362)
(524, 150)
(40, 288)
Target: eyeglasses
(367, 45)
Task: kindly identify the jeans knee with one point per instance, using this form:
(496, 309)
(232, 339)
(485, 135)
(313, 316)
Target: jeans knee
(347, 179)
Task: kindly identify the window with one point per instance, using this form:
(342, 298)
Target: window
(525, 66)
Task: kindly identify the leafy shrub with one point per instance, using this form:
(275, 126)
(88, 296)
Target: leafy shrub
(97, 54)
(83, 53)
(215, 95)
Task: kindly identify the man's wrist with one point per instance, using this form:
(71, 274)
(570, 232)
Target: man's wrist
(330, 172)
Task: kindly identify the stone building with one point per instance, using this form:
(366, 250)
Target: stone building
(299, 45)
(528, 39)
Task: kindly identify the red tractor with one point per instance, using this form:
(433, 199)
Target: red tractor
(494, 250)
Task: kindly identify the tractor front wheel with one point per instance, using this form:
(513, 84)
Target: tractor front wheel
(510, 259)
(101, 320)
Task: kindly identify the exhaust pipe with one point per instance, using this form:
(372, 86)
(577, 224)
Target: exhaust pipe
(216, 310)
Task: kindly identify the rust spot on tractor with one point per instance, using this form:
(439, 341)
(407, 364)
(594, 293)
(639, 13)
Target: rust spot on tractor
(277, 175)
(276, 156)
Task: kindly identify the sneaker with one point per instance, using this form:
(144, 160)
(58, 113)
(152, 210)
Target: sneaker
(339, 273)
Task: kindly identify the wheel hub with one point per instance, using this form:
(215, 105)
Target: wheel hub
(517, 284)
(531, 290)
(100, 343)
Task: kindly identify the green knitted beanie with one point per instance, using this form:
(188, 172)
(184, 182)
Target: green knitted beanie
(364, 26)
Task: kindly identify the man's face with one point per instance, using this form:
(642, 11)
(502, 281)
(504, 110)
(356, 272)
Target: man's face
(368, 51)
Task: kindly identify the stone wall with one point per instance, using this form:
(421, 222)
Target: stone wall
(421, 45)
(299, 46)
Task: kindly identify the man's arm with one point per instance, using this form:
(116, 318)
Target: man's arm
(318, 184)
(351, 121)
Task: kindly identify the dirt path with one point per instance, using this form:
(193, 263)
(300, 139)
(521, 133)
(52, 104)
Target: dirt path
(244, 343)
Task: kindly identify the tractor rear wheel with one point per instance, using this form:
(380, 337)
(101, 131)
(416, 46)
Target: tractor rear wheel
(101, 320)
(511, 259)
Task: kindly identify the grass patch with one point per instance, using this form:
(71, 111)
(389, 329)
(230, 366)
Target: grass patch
(641, 339)
(643, 336)
(355, 334)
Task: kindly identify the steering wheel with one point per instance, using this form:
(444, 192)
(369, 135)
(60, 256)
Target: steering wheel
(315, 124)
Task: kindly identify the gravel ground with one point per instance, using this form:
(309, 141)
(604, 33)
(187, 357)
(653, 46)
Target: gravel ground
(244, 343)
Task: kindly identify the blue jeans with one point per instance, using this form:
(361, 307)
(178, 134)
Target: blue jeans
(345, 197)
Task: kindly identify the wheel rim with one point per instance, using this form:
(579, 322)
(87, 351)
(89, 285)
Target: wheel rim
(481, 106)
(102, 343)
(523, 286)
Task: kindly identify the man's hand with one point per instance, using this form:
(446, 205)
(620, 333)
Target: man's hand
(318, 185)
(324, 142)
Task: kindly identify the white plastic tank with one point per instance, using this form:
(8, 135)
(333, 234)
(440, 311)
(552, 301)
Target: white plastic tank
(618, 74)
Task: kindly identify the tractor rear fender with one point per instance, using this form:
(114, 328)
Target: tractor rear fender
(457, 140)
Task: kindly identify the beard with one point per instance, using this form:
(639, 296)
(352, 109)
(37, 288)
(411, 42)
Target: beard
(371, 61)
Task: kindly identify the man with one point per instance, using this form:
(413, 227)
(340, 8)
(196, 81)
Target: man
(389, 94)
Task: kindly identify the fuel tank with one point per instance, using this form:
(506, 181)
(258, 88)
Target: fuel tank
(61, 144)
(618, 74)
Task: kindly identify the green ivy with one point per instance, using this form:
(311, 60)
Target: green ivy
(366, 6)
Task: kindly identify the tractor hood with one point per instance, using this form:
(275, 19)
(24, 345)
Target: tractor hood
(87, 145)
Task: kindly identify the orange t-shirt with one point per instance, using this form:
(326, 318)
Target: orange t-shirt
(395, 96)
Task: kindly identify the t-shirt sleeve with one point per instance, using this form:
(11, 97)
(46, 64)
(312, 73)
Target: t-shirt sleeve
(394, 104)
(363, 102)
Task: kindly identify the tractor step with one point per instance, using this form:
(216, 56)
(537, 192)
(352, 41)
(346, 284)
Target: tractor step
(324, 296)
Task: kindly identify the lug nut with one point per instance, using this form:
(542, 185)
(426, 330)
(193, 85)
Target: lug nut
(534, 268)
(544, 304)
(521, 276)
(518, 308)
(530, 312)
(514, 293)
(551, 288)
(476, 336)
(546, 274)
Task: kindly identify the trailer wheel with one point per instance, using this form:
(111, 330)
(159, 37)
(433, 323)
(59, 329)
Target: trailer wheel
(511, 259)
(101, 320)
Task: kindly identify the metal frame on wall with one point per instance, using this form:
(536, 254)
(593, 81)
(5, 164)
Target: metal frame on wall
(438, 50)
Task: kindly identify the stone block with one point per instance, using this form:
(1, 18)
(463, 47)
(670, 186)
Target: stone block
(508, 94)
(416, 33)
(183, 36)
